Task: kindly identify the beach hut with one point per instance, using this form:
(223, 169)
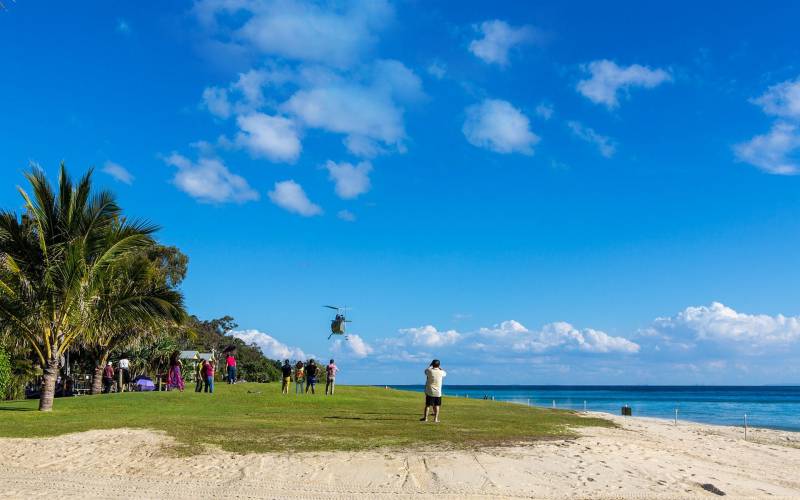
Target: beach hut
(191, 359)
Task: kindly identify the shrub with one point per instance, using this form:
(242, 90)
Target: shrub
(5, 374)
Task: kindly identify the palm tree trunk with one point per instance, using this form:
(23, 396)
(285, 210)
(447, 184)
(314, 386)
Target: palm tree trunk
(49, 384)
(97, 376)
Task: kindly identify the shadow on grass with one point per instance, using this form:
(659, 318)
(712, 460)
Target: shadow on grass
(337, 417)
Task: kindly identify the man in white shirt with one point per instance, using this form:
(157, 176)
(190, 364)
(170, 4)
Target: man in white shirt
(433, 390)
(124, 373)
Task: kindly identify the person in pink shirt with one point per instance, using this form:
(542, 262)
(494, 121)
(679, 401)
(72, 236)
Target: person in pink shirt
(230, 364)
(208, 376)
(331, 370)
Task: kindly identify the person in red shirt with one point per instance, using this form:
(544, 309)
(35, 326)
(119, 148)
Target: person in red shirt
(209, 376)
(230, 364)
(108, 377)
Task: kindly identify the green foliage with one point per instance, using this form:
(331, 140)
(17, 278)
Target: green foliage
(5, 373)
(247, 418)
(251, 364)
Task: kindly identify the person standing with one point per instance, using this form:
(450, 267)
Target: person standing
(208, 376)
(433, 390)
(199, 375)
(124, 374)
(286, 370)
(311, 376)
(299, 377)
(175, 379)
(330, 381)
(108, 377)
(230, 365)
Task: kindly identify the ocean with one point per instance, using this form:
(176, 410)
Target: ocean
(774, 407)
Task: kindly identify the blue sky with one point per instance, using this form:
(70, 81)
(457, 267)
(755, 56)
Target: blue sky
(534, 193)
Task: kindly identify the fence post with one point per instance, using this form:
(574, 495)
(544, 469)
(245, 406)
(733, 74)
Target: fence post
(745, 426)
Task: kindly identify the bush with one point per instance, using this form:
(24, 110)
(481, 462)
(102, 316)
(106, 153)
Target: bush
(5, 374)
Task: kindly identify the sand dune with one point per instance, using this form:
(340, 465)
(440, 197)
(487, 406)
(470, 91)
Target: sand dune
(645, 458)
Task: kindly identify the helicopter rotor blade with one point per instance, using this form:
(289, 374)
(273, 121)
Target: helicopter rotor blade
(333, 307)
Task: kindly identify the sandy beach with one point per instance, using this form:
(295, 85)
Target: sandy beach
(644, 458)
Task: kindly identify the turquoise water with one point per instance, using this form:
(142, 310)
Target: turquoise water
(768, 406)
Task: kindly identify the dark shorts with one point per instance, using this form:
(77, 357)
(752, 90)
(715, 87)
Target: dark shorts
(312, 380)
(433, 400)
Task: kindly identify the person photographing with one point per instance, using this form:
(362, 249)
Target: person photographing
(433, 390)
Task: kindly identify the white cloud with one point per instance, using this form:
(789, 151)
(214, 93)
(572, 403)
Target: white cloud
(209, 180)
(357, 346)
(498, 39)
(216, 101)
(721, 323)
(351, 180)
(500, 127)
(250, 84)
(437, 70)
(363, 147)
(504, 329)
(273, 137)
(351, 109)
(773, 152)
(346, 215)
(246, 94)
(777, 151)
(290, 196)
(395, 79)
(429, 336)
(563, 335)
(271, 347)
(781, 100)
(604, 144)
(545, 110)
(558, 335)
(331, 33)
(118, 172)
(608, 79)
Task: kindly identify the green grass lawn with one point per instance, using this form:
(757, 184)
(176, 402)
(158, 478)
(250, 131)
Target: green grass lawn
(257, 418)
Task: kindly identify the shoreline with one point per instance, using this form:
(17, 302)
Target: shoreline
(643, 457)
(601, 413)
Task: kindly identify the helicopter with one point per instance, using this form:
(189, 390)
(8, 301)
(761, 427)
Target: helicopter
(337, 323)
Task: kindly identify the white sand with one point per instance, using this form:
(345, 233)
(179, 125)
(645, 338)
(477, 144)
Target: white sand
(646, 458)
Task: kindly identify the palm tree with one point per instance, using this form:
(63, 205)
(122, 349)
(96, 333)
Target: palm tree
(135, 276)
(56, 261)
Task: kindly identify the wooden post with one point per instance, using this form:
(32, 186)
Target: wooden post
(745, 426)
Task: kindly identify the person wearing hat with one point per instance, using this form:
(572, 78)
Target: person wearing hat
(433, 390)
(108, 377)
